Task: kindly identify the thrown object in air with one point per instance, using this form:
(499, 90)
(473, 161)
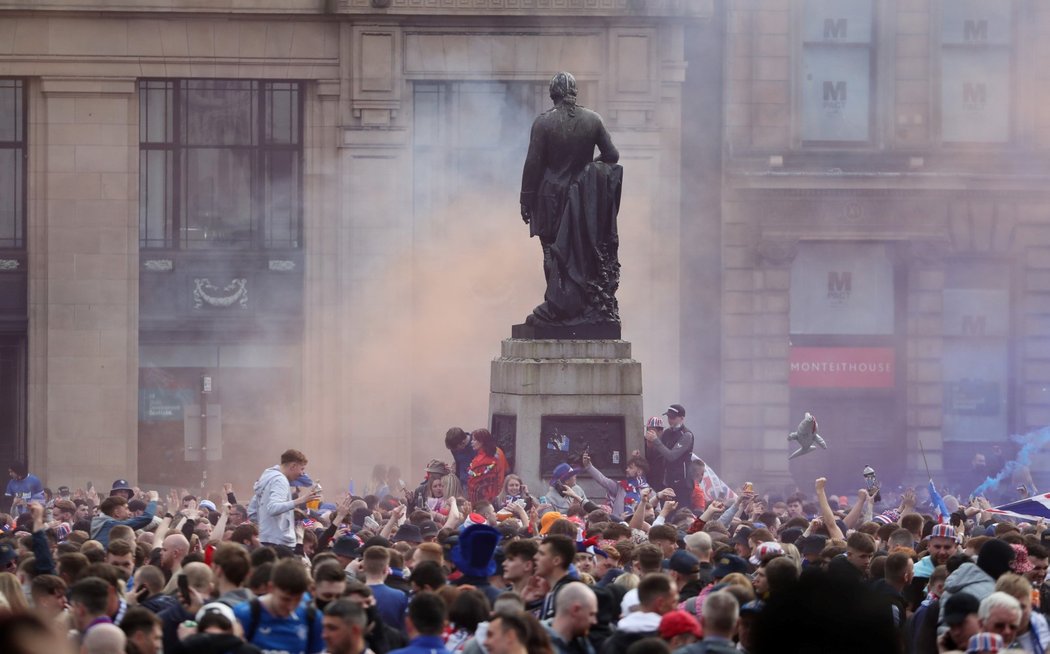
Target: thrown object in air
(806, 436)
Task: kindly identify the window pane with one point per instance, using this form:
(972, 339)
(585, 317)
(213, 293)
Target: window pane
(426, 114)
(842, 288)
(155, 112)
(216, 198)
(219, 112)
(977, 22)
(11, 200)
(480, 114)
(837, 21)
(10, 110)
(281, 198)
(975, 95)
(836, 93)
(155, 172)
(282, 113)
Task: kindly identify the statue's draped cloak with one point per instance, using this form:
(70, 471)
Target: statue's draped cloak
(581, 247)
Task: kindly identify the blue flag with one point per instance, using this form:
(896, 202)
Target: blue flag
(943, 515)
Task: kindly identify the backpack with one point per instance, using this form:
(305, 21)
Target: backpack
(256, 613)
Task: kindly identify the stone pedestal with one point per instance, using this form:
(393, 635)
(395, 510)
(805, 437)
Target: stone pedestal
(552, 399)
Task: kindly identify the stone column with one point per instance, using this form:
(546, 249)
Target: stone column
(323, 390)
(83, 289)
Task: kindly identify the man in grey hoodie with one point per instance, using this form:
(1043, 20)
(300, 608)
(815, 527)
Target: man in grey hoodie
(272, 506)
(977, 579)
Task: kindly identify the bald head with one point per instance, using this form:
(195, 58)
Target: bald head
(105, 639)
(573, 594)
(576, 611)
(173, 550)
(200, 576)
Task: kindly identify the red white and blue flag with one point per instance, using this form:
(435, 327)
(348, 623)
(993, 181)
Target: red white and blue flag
(943, 515)
(1031, 508)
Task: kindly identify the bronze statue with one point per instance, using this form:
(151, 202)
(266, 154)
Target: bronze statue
(570, 200)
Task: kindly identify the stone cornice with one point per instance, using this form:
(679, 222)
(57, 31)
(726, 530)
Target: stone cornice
(536, 8)
(613, 8)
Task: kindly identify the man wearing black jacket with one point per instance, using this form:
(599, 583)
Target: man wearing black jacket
(669, 455)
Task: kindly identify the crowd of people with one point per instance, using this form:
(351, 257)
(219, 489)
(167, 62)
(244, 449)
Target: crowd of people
(469, 560)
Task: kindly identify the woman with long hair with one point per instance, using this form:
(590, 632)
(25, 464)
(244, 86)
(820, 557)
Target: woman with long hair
(487, 469)
(12, 591)
(513, 491)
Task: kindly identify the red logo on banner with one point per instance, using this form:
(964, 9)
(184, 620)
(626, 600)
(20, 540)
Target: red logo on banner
(841, 367)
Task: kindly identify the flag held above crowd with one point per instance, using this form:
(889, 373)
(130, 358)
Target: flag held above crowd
(1031, 508)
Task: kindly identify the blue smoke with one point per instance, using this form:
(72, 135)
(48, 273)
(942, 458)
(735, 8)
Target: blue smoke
(1030, 444)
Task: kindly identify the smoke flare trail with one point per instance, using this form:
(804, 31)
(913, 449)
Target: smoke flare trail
(1030, 444)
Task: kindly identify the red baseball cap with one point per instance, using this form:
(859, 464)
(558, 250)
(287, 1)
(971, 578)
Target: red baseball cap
(675, 623)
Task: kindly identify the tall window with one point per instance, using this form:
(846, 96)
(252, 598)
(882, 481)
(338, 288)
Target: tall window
(12, 163)
(837, 71)
(976, 351)
(471, 137)
(220, 164)
(976, 71)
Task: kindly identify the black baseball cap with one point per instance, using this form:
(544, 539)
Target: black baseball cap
(675, 410)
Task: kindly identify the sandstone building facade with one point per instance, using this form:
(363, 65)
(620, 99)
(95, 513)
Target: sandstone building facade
(885, 233)
(231, 227)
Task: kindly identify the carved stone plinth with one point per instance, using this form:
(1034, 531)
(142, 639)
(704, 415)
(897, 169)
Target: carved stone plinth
(563, 397)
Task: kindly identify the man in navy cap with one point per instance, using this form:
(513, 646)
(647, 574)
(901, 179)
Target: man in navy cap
(123, 488)
(669, 455)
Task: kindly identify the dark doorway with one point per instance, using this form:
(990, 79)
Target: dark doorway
(250, 415)
(12, 401)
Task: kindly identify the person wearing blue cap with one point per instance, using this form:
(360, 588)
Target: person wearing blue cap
(564, 490)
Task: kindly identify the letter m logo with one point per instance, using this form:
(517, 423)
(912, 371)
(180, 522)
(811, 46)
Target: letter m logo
(973, 325)
(975, 93)
(835, 28)
(973, 30)
(834, 91)
(840, 282)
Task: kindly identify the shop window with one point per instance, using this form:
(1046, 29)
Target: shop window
(977, 39)
(837, 71)
(12, 164)
(220, 164)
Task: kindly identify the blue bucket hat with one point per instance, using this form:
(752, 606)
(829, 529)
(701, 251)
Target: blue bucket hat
(473, 554)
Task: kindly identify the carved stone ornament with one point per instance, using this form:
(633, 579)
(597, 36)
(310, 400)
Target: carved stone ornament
(281, 265)
(159, 265)
(205, 293)
(9, 264)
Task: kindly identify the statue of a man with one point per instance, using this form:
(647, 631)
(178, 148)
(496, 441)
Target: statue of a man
(570, 200)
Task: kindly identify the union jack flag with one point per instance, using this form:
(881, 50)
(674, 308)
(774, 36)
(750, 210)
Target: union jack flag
(1030, 508)
(714, 487)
